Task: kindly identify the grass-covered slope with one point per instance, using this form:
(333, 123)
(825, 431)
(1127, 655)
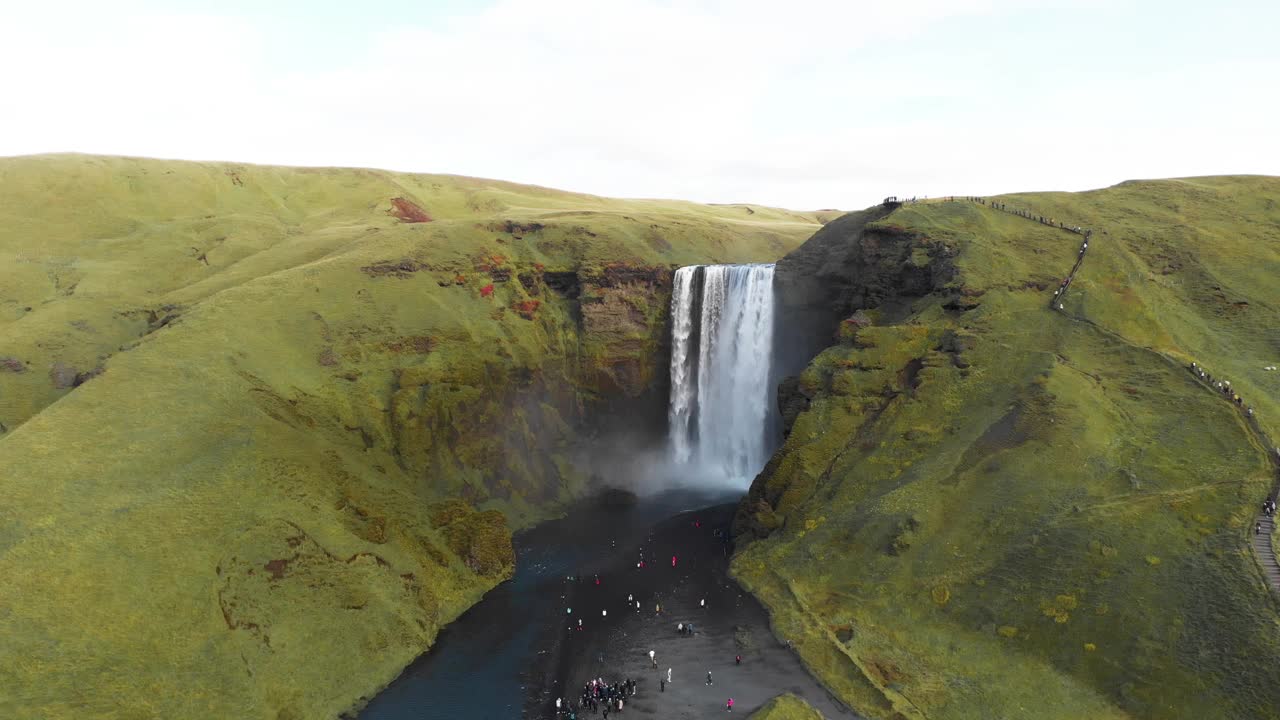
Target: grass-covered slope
(786, 707)
(987, 509)
(265, 430)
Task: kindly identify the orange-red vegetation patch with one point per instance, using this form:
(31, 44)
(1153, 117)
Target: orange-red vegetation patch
(489, 263)
(407, 211)
(527, 308)
(487, 290)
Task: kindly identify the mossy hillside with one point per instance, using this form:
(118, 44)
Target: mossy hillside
(991, 510)
(238, 515)
(98, 251)
(786, 707)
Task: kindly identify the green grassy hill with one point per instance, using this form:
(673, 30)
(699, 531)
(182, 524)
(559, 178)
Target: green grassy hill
(263, 431)
(987, 509)
(786, 707)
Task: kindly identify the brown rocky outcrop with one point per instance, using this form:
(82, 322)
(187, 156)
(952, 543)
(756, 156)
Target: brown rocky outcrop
(624, 311)
(823, 292)
(853, 263)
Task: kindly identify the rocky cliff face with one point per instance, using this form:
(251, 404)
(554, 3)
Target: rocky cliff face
(522, 433)
(853, 263)
(625, 320)
(856, 267)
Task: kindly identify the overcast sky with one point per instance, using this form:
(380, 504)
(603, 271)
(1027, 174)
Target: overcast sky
(794, 103)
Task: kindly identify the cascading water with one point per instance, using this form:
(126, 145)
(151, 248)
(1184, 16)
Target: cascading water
(680, 409)
(722, 344)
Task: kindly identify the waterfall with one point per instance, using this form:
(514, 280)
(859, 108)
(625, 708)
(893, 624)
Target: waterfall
(680, 410)
(722, 343)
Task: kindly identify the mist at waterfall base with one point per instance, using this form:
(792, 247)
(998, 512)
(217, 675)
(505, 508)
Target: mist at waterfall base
(721, 419)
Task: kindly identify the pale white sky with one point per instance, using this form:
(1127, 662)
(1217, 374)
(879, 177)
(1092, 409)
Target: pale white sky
(796, 103)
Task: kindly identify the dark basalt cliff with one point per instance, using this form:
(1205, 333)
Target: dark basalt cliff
(851, 265)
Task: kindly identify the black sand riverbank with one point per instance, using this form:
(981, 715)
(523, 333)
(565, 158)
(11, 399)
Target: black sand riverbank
(518, 650)
(616, 646)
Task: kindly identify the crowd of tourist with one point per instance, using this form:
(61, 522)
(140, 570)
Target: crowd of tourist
(605, 698)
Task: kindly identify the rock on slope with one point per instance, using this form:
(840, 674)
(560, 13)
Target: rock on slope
(263, 431)
(987, 509)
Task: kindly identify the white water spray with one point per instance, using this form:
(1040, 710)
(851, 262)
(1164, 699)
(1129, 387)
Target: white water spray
(680, 409)
(722, 342)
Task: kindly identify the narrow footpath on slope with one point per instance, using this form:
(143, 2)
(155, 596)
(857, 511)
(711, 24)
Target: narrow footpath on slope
(1262, 546)
(1264, 523)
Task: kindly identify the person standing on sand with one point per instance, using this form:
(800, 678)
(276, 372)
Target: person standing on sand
(728, 705)
(737, 659)
(668, 674)
(673, 561)
(708, 677)
(652, 660)
(662, 685)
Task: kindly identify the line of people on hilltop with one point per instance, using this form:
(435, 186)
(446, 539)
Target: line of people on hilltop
(1055, 303)
(1043, 220)
(1224, 387)
(1268, 509)
(1060, 291)
(1077, 229)
(895, 200)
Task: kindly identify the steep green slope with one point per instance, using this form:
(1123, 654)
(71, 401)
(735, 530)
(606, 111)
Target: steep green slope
(265, 430)
(987, 509)
(786, 707)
